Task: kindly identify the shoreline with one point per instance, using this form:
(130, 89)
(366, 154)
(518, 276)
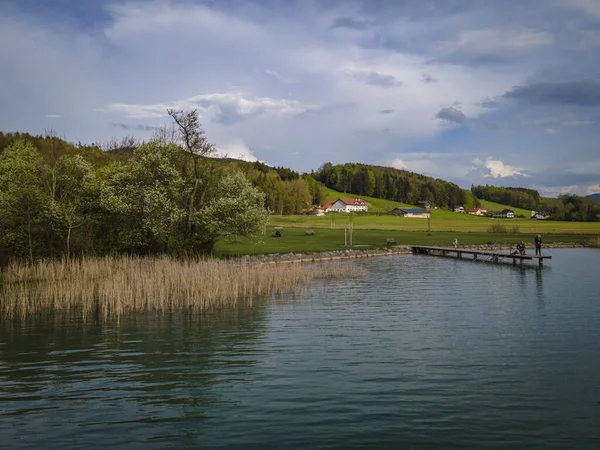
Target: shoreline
(339, 255)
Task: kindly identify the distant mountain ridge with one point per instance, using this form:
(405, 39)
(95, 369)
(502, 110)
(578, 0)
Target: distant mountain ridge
(595, 196)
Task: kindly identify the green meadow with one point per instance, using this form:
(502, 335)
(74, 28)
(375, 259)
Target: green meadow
(440, 221)
(491, 206)
(295, 240)
(373, 229)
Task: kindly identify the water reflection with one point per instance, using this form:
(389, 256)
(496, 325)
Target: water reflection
(144, 369)
(426, 352)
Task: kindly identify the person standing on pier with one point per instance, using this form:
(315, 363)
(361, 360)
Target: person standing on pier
(538, 244)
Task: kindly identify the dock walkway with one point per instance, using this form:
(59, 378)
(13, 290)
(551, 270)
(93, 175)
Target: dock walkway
(496, 256)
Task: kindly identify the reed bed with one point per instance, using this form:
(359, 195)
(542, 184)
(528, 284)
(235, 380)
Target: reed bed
(112, 286)
(594, 242)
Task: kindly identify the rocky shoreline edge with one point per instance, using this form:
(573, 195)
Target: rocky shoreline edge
(371, 253)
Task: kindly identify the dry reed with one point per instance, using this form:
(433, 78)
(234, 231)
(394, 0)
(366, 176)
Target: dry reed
(112, 286)
(593, 242)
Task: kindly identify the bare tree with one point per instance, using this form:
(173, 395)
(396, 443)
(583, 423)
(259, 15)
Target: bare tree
(166, 135)
(196, 145)
(126, 143)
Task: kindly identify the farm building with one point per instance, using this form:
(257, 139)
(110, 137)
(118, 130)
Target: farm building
(346, 205)
(418, 213)
(477, 211)
(504, 214)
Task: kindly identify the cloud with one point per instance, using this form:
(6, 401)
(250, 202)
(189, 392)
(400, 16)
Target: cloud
(592, 189)
(54, 116)
(588, 7)
(576, 93)
(236, 149)
(224, 108)
(398, 164)
(138, 127)
(348, 22)
(375, 79)
(496, 168)
(320, 79)
(278, 76)
(493, 44)
(451, 115)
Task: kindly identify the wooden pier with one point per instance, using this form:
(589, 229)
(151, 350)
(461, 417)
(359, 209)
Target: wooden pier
(495, 255)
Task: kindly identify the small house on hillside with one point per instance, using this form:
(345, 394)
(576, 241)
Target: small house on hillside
(504, 214)
(541, 215)
(314, 210)
(478, 211)
(418, 213)
(459, 209)
(346, 205)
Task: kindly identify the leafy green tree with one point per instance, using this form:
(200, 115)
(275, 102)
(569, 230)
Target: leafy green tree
(67, 205)
(145, 195)
(197, 146)
(22, 199)
(237, 211)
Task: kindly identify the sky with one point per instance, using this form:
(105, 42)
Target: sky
(504, 93)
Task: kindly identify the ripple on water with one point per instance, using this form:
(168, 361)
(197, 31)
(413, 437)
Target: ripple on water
(420, 352)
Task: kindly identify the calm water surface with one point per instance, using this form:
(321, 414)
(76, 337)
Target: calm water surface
(420, 353)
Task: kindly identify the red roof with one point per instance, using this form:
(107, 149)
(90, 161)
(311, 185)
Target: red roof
(328, 204)
(354, 201)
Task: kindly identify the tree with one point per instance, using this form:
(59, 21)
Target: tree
(238, 210)
(145, 195)
(22, 200)
(67, 205)
(196, 144)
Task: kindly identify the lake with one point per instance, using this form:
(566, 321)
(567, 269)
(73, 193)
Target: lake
(421, 352)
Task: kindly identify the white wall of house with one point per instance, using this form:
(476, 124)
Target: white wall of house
(340, 206)
(417, 216)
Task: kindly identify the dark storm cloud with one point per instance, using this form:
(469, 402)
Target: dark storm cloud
(576, 93)
(349, 22)
(451, 114)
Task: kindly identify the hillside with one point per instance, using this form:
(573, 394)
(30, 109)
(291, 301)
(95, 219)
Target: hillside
(595, 197)
(492, 206)
(375, 204)
(388, 183)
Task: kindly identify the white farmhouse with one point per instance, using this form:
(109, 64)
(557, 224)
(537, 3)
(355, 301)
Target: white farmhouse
(346, 205)
(504, 214)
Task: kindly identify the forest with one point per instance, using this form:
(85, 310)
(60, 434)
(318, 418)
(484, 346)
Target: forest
(164, 196)
(394, 184)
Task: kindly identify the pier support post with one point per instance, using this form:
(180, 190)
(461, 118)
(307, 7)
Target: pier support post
(514, 261)
(541, 262)
(474, 256)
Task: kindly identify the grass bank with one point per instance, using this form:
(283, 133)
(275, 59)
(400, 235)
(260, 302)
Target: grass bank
(295, 240)
(112, 286)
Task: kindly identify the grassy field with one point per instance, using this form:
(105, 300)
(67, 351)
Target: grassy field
(372, 230)
(294, 240)
(440, 221)
(491, 206)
